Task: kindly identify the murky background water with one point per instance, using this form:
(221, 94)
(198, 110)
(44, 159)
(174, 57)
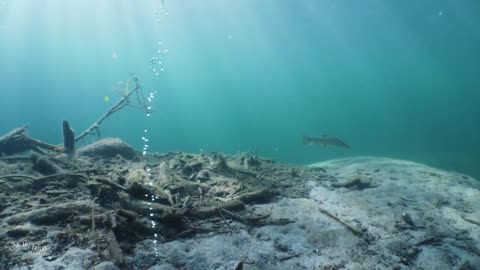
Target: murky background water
(394, 79)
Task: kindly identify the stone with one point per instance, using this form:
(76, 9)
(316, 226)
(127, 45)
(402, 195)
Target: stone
(108, 148)
(105, 266)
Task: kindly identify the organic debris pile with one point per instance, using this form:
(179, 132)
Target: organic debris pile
(108, 198)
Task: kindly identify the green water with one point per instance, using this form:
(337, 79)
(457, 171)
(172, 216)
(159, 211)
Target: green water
(392, 78)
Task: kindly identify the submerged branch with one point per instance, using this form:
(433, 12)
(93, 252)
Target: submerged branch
(17, 141)
(118, 106)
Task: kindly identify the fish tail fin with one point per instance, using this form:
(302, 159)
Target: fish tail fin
(304, 139)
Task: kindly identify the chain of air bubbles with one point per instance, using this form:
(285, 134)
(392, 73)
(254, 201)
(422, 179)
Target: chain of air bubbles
(156, 66)
(148, 169)
(156, 61)
(161, 9)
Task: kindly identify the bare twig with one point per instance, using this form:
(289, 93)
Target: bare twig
(125, 100)
(255, 221)
(110, 183)
(47, 177)
(84, 177)
(17, 176)
(291, 256)
(224, 220)
(345, 224)
(471, 221)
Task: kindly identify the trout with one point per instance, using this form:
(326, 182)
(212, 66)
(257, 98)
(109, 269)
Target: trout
(325, 140)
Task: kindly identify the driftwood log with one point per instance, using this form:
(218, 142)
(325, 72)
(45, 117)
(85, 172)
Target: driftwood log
(68, 138)
(17, 141)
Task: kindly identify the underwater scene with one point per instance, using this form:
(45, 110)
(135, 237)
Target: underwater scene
(239, 135)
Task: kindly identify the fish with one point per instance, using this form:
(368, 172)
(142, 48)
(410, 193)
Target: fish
(325, 140)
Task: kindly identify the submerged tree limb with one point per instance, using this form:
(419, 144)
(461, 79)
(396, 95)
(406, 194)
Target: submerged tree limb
(14, 141)
(17, 141)
(125, 100)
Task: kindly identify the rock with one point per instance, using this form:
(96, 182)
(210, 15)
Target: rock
(73, 259)
(138, 176)
(43, 165)
(163, 176)
(203, 175)
(18, 231)
(192, 168)
(173, 164)
(471, 264)
(108, 148)
(431, 258)
(3, 204)
(105, 266)
(162, 267)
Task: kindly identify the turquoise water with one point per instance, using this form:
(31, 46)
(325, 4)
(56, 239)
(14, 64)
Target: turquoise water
(392, 78)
